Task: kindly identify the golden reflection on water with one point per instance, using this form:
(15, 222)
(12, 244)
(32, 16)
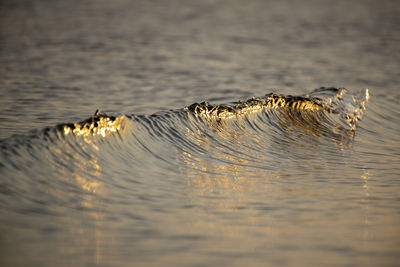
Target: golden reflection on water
(272, 102)
(221, 185)
(365, 191)
(102, 126)
(92, 186)
(89, 182)
(86, 231)
(91, 233)
(230, 197)
(227, 208)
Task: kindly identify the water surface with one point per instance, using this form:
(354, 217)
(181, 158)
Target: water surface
(154, 183)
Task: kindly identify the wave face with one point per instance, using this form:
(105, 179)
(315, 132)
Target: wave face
(238, 133)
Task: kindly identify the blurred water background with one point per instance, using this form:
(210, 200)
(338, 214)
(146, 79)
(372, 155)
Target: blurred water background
(173, 190)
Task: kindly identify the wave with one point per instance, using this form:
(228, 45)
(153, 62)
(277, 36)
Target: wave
(242, 128)
(240, 139)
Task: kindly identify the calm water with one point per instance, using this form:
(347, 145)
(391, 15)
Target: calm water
(158, 184)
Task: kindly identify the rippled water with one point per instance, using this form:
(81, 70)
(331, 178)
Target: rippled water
(158, 177)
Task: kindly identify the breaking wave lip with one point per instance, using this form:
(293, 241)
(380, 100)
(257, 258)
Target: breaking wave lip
(350, 108)
(324, 111)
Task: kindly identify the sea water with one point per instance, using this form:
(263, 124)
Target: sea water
(130, 135)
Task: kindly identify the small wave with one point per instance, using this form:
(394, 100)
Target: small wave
(319, 103)
(260, 134)
(241, 128)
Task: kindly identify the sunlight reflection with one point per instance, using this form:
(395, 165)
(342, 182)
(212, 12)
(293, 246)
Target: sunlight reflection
(98, 126)
(365, 200)
(88, 189)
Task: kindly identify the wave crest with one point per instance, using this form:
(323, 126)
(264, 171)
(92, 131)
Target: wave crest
(350, 108)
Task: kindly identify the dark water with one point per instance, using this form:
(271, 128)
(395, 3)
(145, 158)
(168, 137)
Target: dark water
(148, 182)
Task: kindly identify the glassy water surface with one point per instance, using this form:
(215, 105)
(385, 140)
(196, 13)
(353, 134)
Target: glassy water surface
(300, 177)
